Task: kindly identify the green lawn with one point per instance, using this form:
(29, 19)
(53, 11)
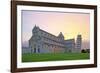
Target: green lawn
(54, 57)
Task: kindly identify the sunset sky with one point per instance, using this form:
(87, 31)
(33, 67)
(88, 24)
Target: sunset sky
(70, 24)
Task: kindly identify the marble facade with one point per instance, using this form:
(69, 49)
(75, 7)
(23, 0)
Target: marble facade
(44, 42)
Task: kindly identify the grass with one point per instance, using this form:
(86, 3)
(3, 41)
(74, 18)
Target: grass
(54, 57)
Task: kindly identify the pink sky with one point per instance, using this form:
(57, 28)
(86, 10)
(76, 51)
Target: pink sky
(70, 24)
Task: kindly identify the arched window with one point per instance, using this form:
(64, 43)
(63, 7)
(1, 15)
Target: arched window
(35, 50)
(38, 50)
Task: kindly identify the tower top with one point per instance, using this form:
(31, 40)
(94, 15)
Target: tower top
(61, 35)
(35, 29)
(79, 36)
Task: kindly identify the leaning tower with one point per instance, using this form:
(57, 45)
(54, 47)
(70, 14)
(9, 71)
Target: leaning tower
(78, 43)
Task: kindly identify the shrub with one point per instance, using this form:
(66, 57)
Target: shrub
(83, 51)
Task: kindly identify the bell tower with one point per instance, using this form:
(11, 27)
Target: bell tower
(78, 43)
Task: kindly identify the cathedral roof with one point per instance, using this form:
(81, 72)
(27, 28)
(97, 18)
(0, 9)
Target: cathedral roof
(61, 35)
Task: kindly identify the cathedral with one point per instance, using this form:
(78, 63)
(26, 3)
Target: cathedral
(44, 42)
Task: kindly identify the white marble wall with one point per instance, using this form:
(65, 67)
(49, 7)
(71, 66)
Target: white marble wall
(45, 42)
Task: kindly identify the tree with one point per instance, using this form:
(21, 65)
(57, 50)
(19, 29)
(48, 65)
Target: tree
(83, 51)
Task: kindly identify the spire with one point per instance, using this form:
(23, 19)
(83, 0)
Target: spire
(61, 36)
(35, 29)
(35, 25)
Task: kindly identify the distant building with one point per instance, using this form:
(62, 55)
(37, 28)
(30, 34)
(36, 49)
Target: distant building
(78, 43)
(44, 42)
